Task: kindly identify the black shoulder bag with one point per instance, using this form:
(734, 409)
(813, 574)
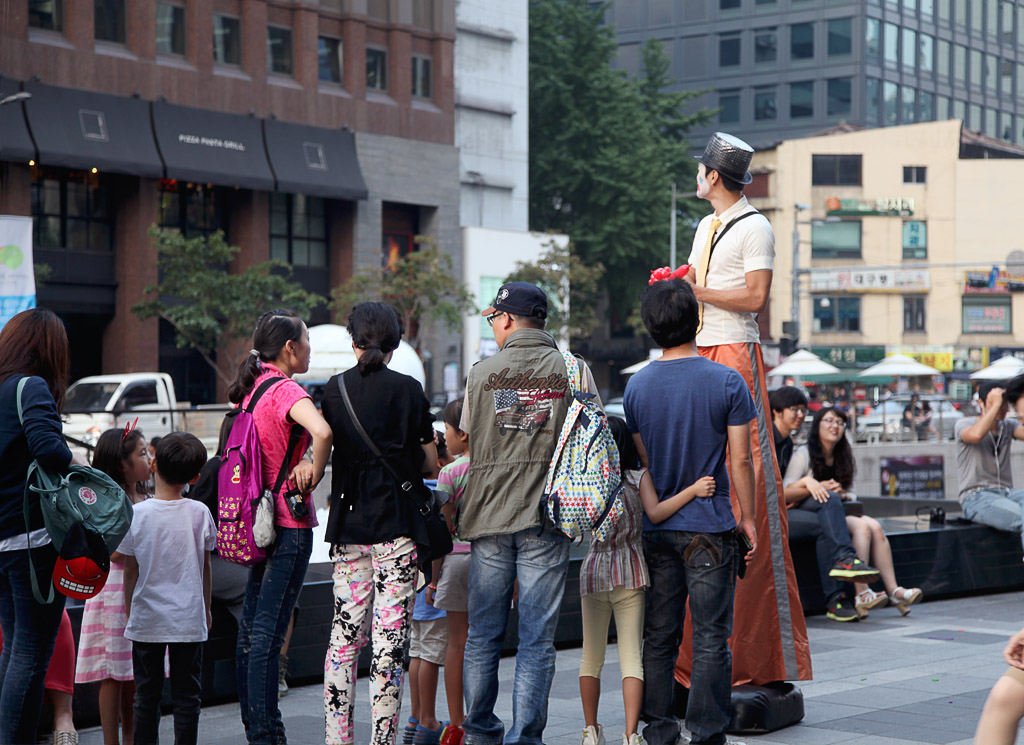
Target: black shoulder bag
(428, 527)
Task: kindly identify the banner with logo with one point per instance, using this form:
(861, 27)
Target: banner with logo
(17, 279)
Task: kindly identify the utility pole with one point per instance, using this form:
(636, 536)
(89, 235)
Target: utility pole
(792, 329)
(672, 232)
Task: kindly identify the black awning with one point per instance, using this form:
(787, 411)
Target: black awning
(314, 161)
(212, 147)
(84, 129)
(15, 142)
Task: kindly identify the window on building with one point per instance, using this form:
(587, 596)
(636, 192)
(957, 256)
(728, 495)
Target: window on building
(915, 174)
(728, 50)
(729, 101)
(925, 106)
(729, 4)
(913, 314)
(836, 240)
(890, 103)
(423, 14)
(298, 230)
(659, 12)
(872, 39)
(765, 45)
(801, 99)
(1020, 81)
(836, 313)
(926, 54)
(991, 72)
(909, 50)
(108, 16)
(764, 104)
(974, 117)
(976, 69)
(915, 238)
(801, 41)
(927, 7)
(376, 69)
(1006, 21)
(960, 65)
(941, 107)
(765, 2)
(988, 314)
(909, 7)
(840, 37)
(942, 59)
(840, 96)
(1006, 130)
(191, 209)
(958, 110)
(891, 44)
(329, 63)
(835, 170)
(990, 128)
(992, 18)
(422, 79)
(908, 110)
(170, 29)
(279, 50)
(977, 11)
(872, 100)
(1006, 77)
(227, 40)
(960, 13)
(71, 209)
(944, 10)
(48, 14)
(378, 10)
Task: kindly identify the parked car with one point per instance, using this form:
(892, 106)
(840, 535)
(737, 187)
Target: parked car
(885, 421)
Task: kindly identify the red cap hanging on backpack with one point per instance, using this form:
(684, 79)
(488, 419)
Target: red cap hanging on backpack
(84, 562)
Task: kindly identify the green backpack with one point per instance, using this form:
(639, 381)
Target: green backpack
(84, 495)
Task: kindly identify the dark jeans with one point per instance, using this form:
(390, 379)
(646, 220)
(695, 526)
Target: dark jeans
(186, 689)
(30, 630)
(270, 596)
(701, 566)
(827, 522)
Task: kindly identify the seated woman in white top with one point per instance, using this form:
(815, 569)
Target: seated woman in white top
(825, 464)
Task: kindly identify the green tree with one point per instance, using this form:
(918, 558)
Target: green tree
(422, 286)
(604, 149)
(570, 284)
(210, 308)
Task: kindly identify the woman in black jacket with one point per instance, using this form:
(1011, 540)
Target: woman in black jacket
(33, 344)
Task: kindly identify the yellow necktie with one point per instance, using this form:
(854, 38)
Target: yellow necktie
(702, 271)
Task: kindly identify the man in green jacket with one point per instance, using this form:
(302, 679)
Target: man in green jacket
(516, 403)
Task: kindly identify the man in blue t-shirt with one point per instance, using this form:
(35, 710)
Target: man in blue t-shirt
(687, 414)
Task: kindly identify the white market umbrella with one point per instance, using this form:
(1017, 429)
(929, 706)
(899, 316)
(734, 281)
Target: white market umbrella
(1004, 368)
(898, 366)
(331, 353)
(638, 366)
(802, 363)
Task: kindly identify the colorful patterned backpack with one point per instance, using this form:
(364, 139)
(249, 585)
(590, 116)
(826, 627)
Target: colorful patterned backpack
(583, 493)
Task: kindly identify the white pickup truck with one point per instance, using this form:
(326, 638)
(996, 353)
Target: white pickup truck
(99, 402)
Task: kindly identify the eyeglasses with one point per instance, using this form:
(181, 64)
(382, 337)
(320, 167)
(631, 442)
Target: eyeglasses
(798, 410)
(830, 422)
(491, 318)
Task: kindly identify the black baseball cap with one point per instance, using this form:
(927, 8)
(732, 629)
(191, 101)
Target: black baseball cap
(520, 299)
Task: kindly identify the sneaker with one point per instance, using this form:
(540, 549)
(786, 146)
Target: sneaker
(593, 735)
(840, 609)
(410, 731)
(852, 568)
(633, 739)
(452, 735)
(685, 740)
(282, 672)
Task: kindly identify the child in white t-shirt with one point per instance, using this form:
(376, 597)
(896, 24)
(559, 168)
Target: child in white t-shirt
(167, 590)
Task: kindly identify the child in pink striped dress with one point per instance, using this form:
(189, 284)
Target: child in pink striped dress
(103, 652)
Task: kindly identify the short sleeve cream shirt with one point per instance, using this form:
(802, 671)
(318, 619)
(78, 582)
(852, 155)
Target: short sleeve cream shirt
(749, 246)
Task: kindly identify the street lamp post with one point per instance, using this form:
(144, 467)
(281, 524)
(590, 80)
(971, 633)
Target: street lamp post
(794, 308)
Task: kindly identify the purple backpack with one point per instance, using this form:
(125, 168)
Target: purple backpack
(240, 484)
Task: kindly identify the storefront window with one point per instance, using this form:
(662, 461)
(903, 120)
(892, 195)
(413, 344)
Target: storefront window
(298, 230)
(836, 313)
(71, 209)
(191, 209)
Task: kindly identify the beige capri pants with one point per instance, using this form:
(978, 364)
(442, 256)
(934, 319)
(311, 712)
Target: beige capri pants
(628, 608)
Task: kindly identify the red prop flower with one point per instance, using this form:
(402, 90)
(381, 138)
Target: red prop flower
(665, 272)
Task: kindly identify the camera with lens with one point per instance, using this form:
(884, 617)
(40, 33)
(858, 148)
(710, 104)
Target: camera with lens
(296, 505)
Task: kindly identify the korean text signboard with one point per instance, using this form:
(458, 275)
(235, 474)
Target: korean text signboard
(915, 476)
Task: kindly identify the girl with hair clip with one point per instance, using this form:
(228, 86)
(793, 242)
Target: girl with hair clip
(370, 521)
(280, 349)
(33, 346)
(103, 652)
(825, 464)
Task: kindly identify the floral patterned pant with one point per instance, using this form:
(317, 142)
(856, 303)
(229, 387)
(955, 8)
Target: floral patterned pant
(380, 577)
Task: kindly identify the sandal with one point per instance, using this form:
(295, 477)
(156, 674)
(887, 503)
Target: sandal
(907, 598)
(867, 600)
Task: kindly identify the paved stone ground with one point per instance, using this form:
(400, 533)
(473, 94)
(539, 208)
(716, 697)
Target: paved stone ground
(885, 681)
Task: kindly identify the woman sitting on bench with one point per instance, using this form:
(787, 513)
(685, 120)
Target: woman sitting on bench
(825, 464)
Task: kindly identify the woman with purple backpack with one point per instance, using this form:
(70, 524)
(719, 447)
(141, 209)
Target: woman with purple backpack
(280, 349)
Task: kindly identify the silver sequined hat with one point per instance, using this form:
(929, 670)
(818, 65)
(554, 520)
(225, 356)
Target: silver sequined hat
(728, 155)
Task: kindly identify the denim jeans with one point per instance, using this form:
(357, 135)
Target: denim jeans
(30, 630)
(539, 559)
(833, 536)
(270, 597)
(701, 566)
(1002, 509)
(186, 660)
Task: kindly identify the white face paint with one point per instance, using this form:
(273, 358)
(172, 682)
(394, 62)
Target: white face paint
(702, 185)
